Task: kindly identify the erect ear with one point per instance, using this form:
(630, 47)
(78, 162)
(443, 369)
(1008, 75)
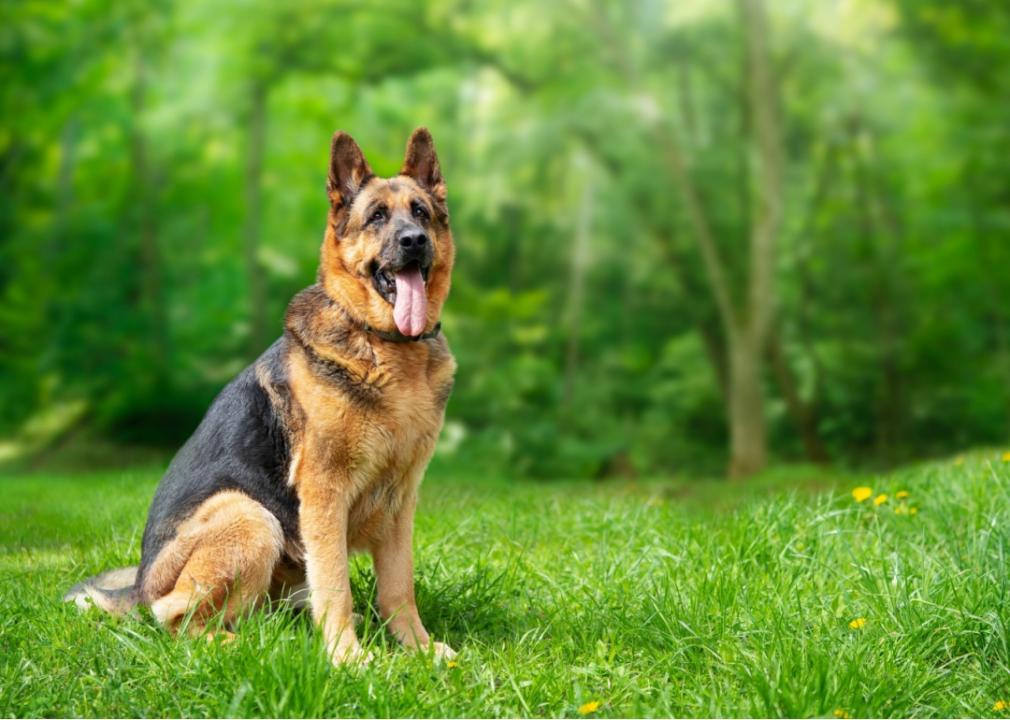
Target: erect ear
(349, 170)
(421, 163)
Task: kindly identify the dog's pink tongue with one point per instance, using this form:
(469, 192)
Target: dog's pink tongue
(411, 309)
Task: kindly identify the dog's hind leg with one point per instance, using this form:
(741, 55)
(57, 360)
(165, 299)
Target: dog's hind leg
(221, 560)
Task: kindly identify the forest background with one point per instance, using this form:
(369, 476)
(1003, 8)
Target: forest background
(692, 236)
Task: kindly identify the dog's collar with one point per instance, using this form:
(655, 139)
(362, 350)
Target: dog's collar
(389, 336)
(398, 337)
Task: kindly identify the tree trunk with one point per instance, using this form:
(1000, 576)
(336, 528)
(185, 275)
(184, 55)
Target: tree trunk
(880, 237)
(1003, 355)
(748, 433)
(803, 414)
(151, 292)
(747, 341)
(576, 286)
(992, 271)
(65, 185)
(254, 217)
(54, 247)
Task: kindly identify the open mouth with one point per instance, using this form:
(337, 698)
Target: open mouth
(405, 288)
(384, 279)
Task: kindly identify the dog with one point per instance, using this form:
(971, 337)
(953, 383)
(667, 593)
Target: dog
(318, 448)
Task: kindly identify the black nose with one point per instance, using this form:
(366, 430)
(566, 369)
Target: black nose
(413, 241)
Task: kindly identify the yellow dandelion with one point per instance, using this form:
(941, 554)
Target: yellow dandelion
(862, 493)
(880, 499)
(901, 494)
(839, 713)
(1006, 456)
(857, 624)
(913, 511)
(589, 707)
(452, 664)
(901, 510)
(1000, 705)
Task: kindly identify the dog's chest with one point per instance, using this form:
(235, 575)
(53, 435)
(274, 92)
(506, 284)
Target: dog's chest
(389, 452)
(373, 420)
(400, 430)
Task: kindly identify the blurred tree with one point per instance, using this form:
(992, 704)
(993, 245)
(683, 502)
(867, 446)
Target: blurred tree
(145, 36)
(738, 347)
(682, 226)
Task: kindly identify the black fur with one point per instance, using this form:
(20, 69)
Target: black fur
(442, 396)
(241, 444)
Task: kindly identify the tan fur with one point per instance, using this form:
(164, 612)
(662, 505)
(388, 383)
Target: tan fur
(356, 462)
(222, 559)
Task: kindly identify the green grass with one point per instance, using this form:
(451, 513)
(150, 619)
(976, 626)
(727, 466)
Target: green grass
(646, 597)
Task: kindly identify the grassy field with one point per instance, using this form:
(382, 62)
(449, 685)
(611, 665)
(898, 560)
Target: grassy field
(648, 599)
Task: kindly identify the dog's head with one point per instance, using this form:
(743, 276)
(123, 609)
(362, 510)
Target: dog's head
(388, 251)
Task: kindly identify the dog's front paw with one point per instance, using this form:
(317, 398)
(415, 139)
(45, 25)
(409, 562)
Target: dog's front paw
(351, 654)
(442, 652)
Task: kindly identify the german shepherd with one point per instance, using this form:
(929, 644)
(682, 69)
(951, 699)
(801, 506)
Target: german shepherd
(317, 449)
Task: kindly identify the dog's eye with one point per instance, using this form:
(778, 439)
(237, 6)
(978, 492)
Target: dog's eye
(419, 211)
(377, 216)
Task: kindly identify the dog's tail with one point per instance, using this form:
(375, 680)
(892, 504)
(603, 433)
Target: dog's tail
(114, 591)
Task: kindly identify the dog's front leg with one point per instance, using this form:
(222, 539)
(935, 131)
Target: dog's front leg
(323, 514)
(394, 574)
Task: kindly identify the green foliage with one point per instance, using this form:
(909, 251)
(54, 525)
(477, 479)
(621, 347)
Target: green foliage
(655, 599)
(159, 162)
